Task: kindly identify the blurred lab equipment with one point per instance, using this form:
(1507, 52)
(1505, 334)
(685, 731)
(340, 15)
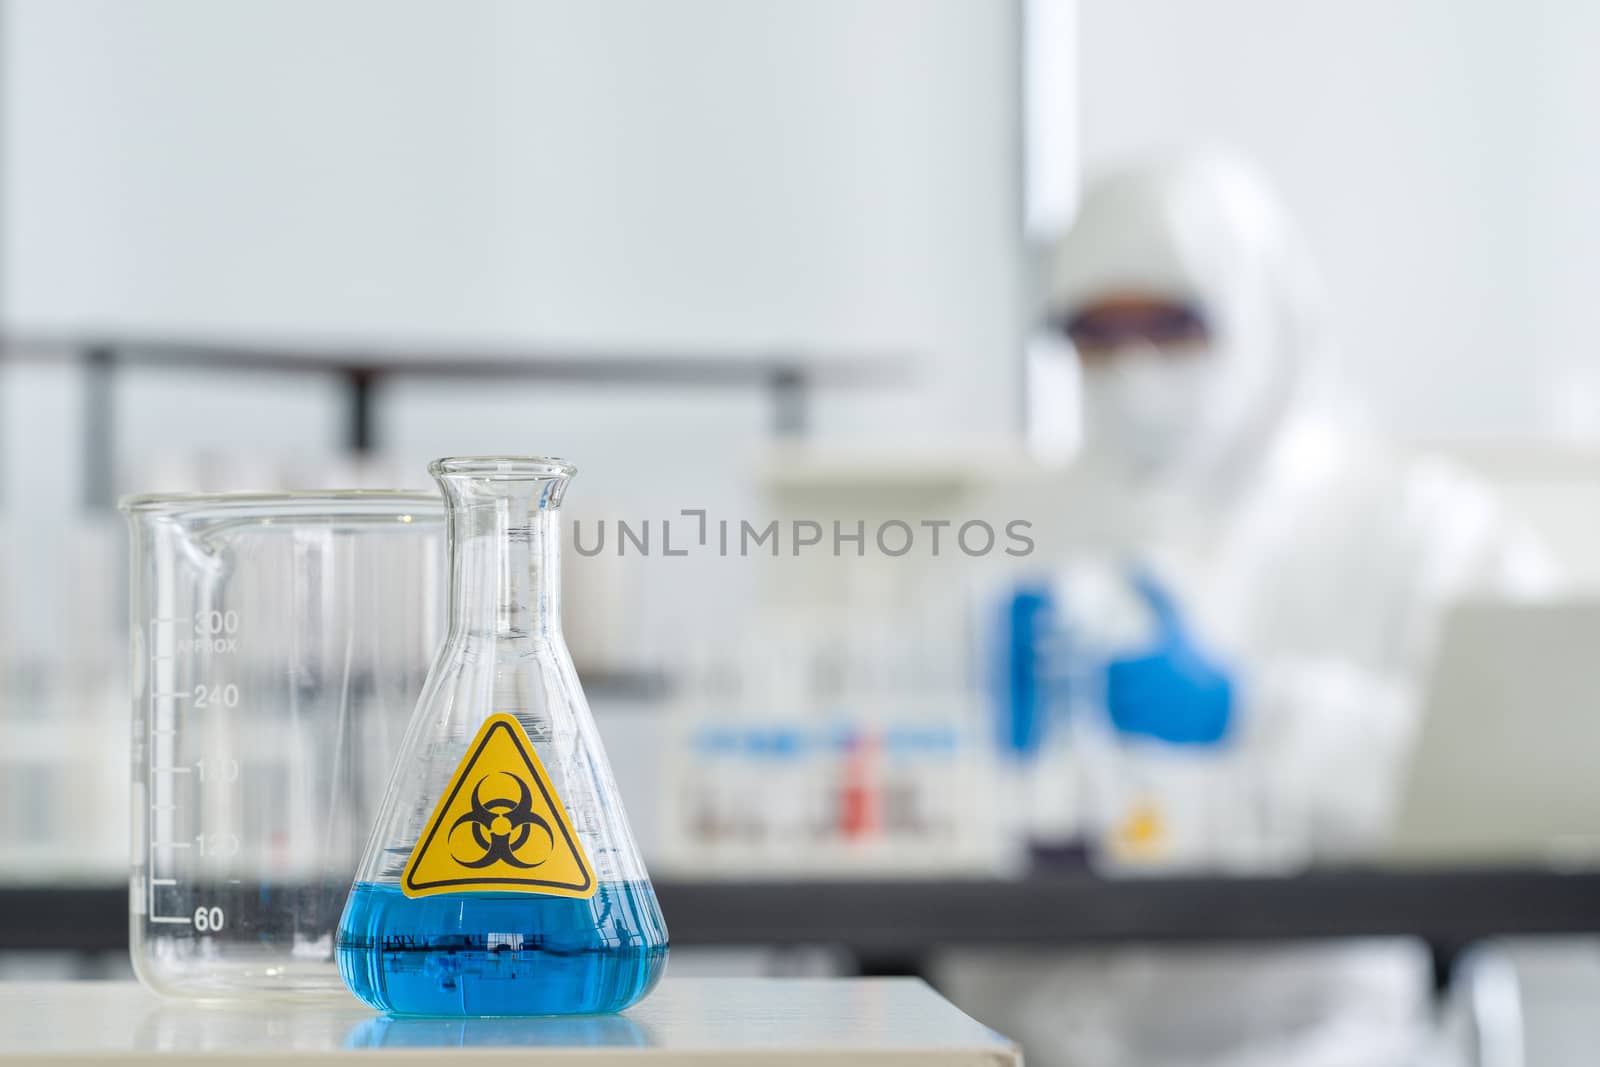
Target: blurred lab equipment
(843, 728)
(1503, 767)
(278, 640)
(501, 877)
(807, 753)
(63, 702)
(1034, 689)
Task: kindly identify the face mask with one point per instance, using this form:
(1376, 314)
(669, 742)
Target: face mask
(1146, 409)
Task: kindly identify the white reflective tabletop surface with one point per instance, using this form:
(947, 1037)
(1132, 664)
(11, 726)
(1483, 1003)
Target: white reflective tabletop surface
(885, 1022)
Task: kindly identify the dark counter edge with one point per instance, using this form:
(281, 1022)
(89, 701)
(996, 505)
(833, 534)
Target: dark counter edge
(913, 916)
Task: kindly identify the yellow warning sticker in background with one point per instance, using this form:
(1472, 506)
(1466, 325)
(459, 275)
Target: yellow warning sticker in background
(499, 826)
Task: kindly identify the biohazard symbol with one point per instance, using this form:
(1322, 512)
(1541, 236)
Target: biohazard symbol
(493, 822)
(499, 826)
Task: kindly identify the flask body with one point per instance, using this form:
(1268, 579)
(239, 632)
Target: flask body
(501, 877)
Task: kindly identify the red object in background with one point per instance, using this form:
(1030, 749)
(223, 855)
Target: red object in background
(859, 814)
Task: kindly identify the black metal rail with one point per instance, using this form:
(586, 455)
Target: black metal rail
(906, 919)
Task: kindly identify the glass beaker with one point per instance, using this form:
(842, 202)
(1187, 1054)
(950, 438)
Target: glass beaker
(502, 877)
(279, 642)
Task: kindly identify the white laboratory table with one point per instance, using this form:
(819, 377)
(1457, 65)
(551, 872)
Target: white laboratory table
(763, 1022)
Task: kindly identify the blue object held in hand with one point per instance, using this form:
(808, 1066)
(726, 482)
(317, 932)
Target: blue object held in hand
(1172, 690)
(1021, 693)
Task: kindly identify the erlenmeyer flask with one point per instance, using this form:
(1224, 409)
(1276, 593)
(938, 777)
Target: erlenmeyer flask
(501, 877)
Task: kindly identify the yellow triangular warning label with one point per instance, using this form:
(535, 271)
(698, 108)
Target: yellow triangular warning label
(499, 827)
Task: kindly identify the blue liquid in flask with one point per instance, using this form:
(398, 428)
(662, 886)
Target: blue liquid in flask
(502, 953)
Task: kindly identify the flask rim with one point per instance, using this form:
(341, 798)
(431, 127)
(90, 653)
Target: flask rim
(502, 468)
(334, 500)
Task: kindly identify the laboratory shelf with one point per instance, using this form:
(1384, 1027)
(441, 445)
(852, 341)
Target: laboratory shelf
(788, 377)
(903, 920)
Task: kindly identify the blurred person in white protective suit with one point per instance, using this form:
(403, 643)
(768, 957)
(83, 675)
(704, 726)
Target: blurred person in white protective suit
(1293, 570)
(1289, 574)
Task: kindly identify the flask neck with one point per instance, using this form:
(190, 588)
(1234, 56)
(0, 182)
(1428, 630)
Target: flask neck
(505, 559)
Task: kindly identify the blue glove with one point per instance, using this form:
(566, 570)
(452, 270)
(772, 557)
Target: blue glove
(1170, 691)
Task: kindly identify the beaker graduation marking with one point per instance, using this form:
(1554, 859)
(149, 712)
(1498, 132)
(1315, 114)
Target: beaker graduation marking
(164, 698)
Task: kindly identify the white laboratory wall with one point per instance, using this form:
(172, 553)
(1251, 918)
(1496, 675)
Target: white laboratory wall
(1441, 156)
(793, 175)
